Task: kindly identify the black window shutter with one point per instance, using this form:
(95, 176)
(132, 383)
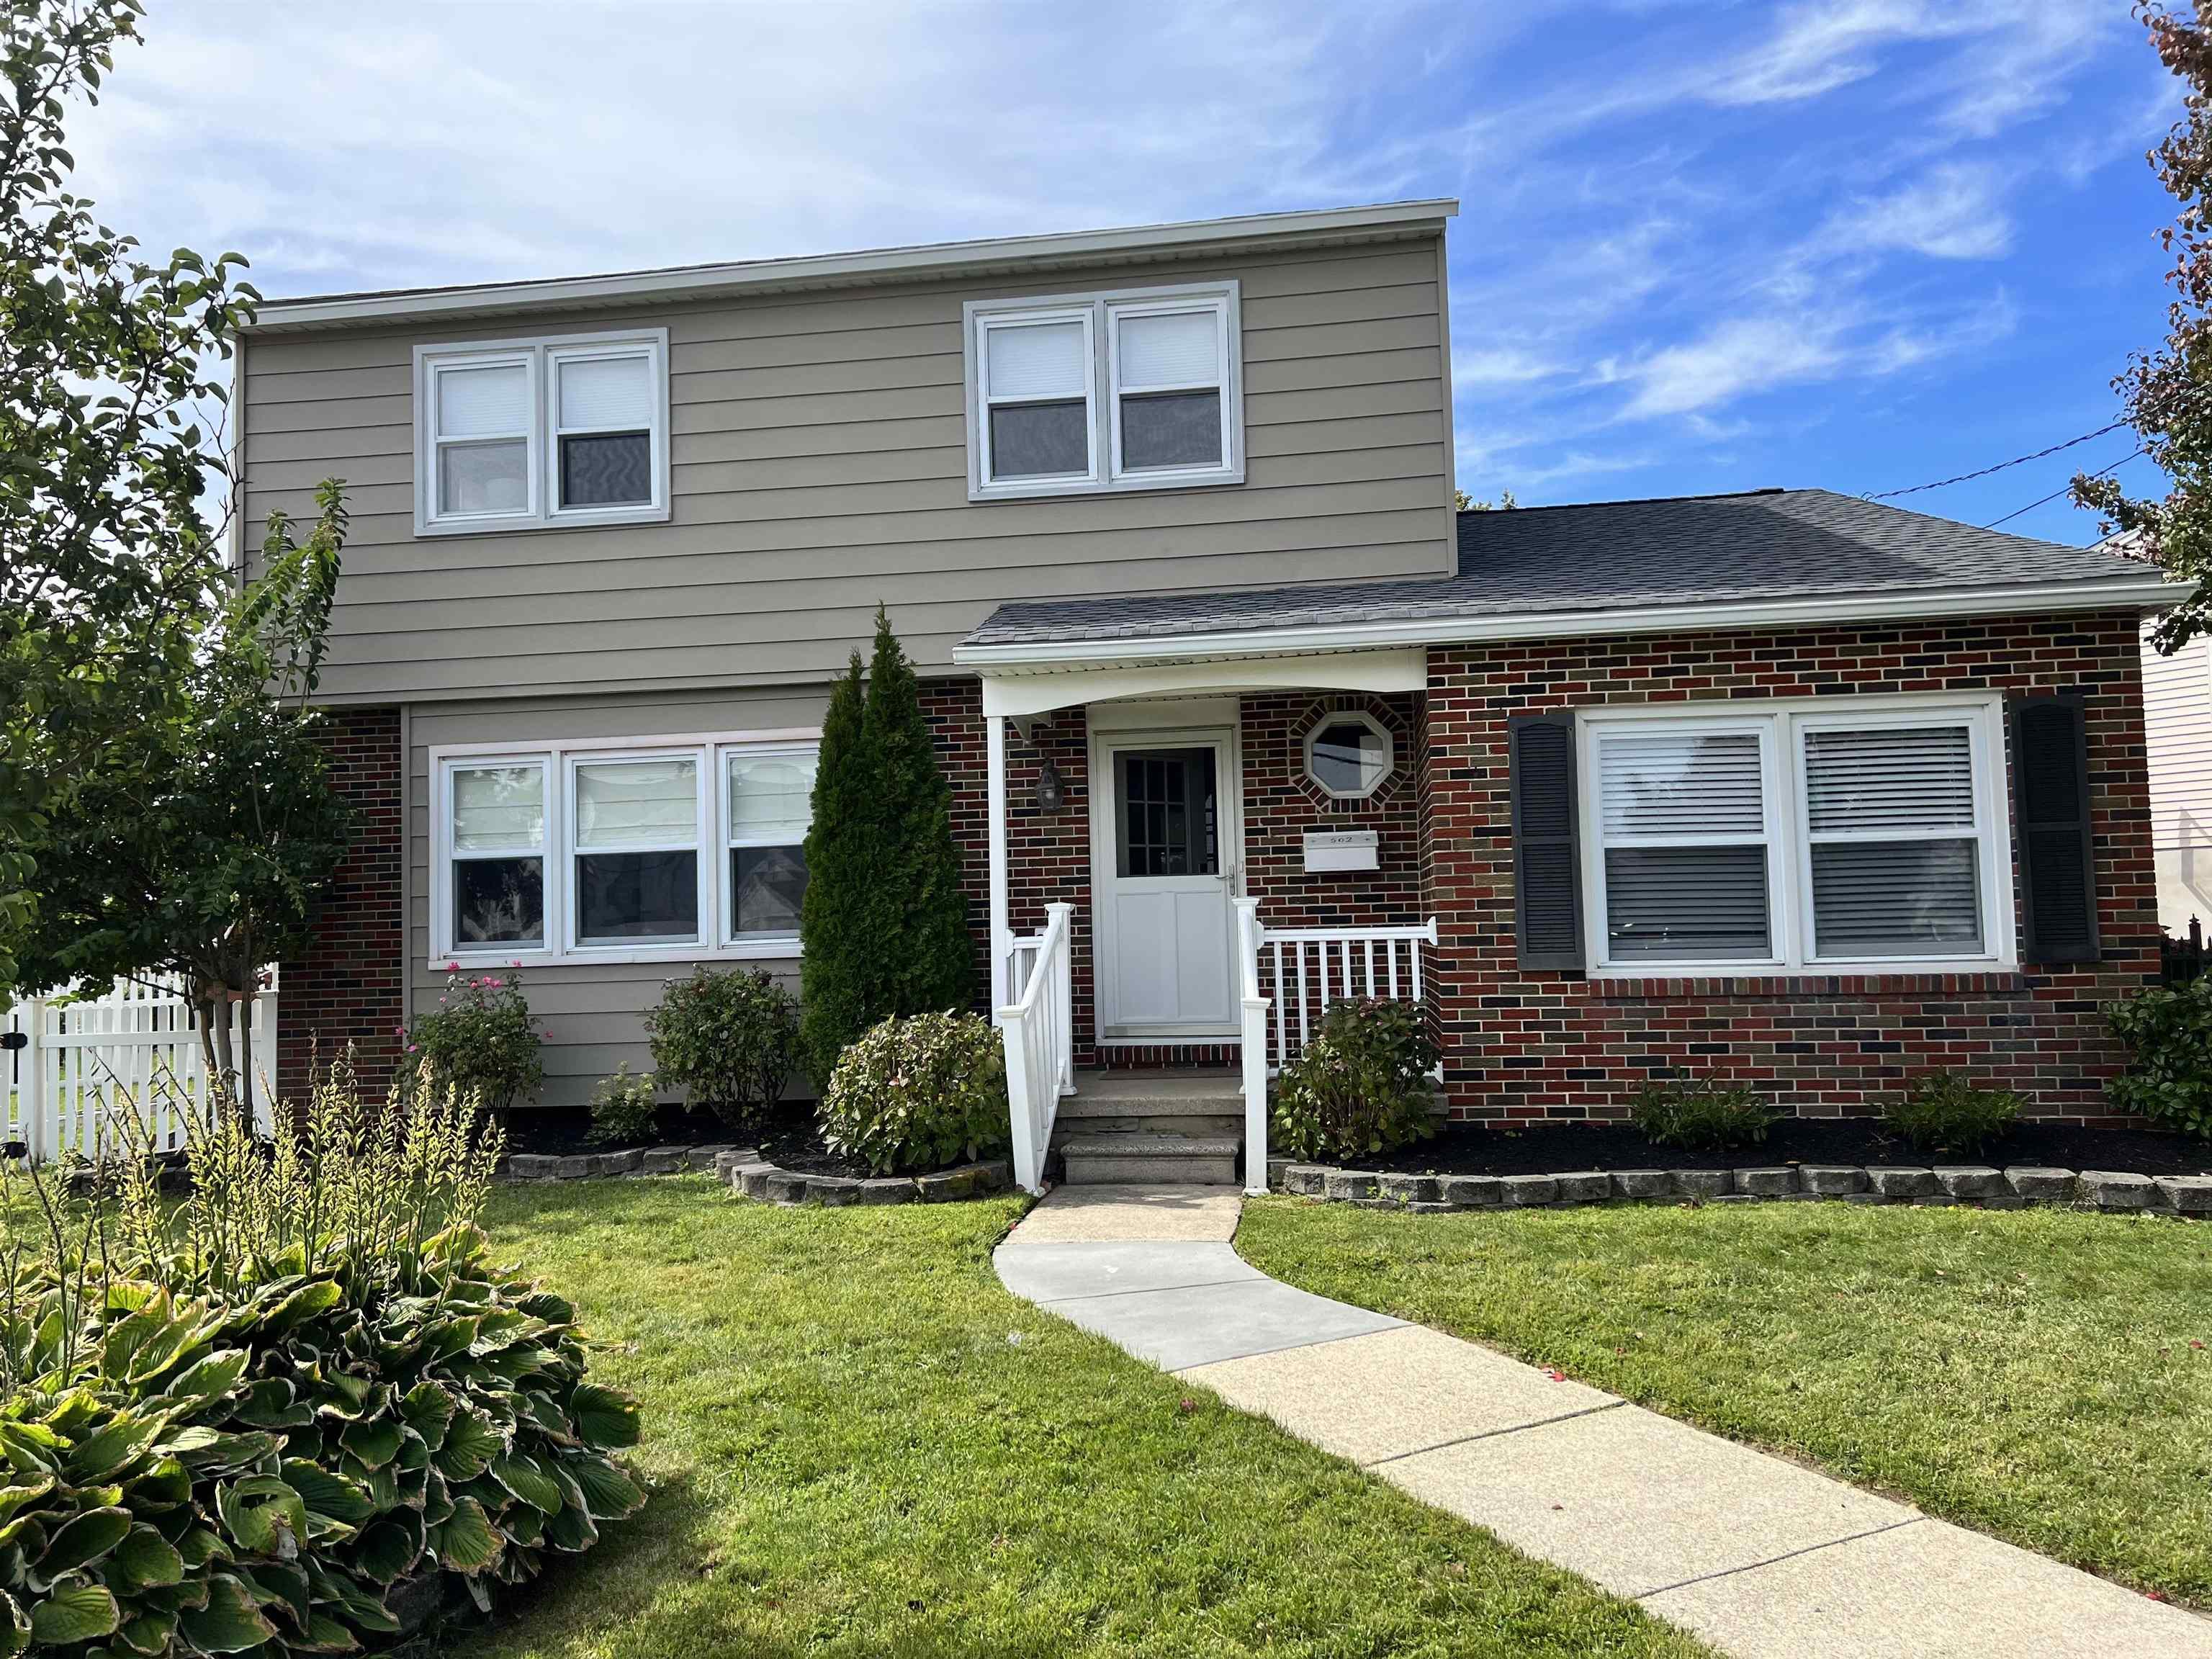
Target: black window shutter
(2051, 826)
(1547, 896)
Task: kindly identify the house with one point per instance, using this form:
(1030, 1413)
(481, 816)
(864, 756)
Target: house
(2177, 725)
(1237, 711)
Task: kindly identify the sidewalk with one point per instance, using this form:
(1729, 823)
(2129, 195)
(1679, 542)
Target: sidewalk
(1755, 1554)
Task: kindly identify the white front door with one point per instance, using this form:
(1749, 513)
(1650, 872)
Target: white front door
(1165, 845)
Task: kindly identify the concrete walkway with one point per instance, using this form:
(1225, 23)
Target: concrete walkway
(1755, 1554)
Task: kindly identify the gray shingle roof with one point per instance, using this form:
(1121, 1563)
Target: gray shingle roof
(1606, 556)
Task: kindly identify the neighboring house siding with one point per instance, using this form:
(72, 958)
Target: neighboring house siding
(2178, 720)
(819, 467)
(345, 994)
(591, 1012)
(1523, 1045)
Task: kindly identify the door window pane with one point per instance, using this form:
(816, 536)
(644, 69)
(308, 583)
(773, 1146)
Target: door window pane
(1168, 818)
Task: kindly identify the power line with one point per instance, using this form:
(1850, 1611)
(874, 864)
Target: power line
(2017, 460)
(2041, 500)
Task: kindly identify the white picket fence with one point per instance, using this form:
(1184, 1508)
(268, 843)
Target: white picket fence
(72, 1063)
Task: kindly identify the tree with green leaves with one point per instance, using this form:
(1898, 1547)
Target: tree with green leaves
(108, 561)
(884, 924)
(2168, 392)
(205, 860)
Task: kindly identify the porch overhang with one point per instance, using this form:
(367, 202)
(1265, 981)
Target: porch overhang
(1017, 691)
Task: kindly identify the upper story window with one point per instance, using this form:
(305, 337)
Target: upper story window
(570, 430)
(1092, 393)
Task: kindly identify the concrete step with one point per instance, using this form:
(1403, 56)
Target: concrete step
(1093, 1160)
(1196, 1125)
(1100, 1094)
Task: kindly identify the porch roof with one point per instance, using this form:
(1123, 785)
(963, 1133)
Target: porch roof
(1760, 558)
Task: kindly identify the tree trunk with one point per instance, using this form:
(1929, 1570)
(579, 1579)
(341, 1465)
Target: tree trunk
(211, 1066)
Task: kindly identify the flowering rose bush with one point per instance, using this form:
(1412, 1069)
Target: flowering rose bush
(1360, 1084)
(480, 1040)
(918, 1093)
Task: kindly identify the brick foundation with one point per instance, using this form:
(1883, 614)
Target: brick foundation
(1534, 1045)
(347, 991)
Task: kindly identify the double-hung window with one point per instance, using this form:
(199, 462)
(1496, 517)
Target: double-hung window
(1135, 390)
(1859, 838)
(566, 430)
(497, 838)
(662, 851)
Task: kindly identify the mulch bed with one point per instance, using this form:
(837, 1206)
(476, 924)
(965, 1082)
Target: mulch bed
(1548, 1148)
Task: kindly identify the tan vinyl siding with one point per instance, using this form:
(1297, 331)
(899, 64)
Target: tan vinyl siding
(2177, 728)
(592, 1012)
(819, 462)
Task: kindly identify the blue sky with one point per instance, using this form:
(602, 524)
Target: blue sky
(1861, 245)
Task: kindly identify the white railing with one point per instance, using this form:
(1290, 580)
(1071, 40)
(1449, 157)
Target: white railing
(71, 1062)
(1038, 1029)
(1294, 973)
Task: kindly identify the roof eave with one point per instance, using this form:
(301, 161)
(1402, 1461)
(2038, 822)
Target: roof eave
(2146, 592)
(943, 259)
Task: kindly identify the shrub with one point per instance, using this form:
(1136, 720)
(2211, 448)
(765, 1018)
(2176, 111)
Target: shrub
(1702, 1116)
(918, 1093)
(1942, 1109)
(727, 1039)
(2169, 1034)
(258, 1419)
(480, 1040)
(1360, 1084)
(622, 1110)
(885, 921)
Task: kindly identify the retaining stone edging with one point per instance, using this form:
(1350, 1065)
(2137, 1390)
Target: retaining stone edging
(751, 1176)
(1976, 1186)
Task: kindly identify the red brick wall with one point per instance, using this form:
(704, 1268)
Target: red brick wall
(347, 991)
(1281, 804)
(1524, 1045)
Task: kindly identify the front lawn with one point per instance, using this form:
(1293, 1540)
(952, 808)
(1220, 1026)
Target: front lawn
(859, 1443)
(2038, 1375)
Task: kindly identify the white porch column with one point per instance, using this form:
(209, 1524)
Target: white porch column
(1001, 935)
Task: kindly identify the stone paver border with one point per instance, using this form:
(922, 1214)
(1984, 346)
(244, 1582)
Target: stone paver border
(749, 1175)
(1977, 1186)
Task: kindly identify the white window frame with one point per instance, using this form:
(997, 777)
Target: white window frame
(1790, 859)
(1351, 717)
(701, 886)
(1098, 310)
(730, 840)
(541, 850)
(558, 757)
(541, 355)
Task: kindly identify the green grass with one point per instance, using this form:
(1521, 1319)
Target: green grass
(2028, 1374)
(859, 1443)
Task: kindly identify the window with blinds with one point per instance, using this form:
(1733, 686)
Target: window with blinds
(1136, 389)
(1682, 820)
(571, 429)
(1798, 838)
(674, 852)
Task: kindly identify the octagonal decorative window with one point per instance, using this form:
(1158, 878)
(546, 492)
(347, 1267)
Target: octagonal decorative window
(1349, 754)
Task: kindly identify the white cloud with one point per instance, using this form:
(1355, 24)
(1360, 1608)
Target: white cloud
(1952, 212)
(1500, 365)
(1742, 355)
(1816, 48)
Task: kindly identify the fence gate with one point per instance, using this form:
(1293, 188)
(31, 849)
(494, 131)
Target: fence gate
(72, 1062)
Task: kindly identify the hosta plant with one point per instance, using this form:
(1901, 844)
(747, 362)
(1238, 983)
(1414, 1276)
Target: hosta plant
(249, 1422)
